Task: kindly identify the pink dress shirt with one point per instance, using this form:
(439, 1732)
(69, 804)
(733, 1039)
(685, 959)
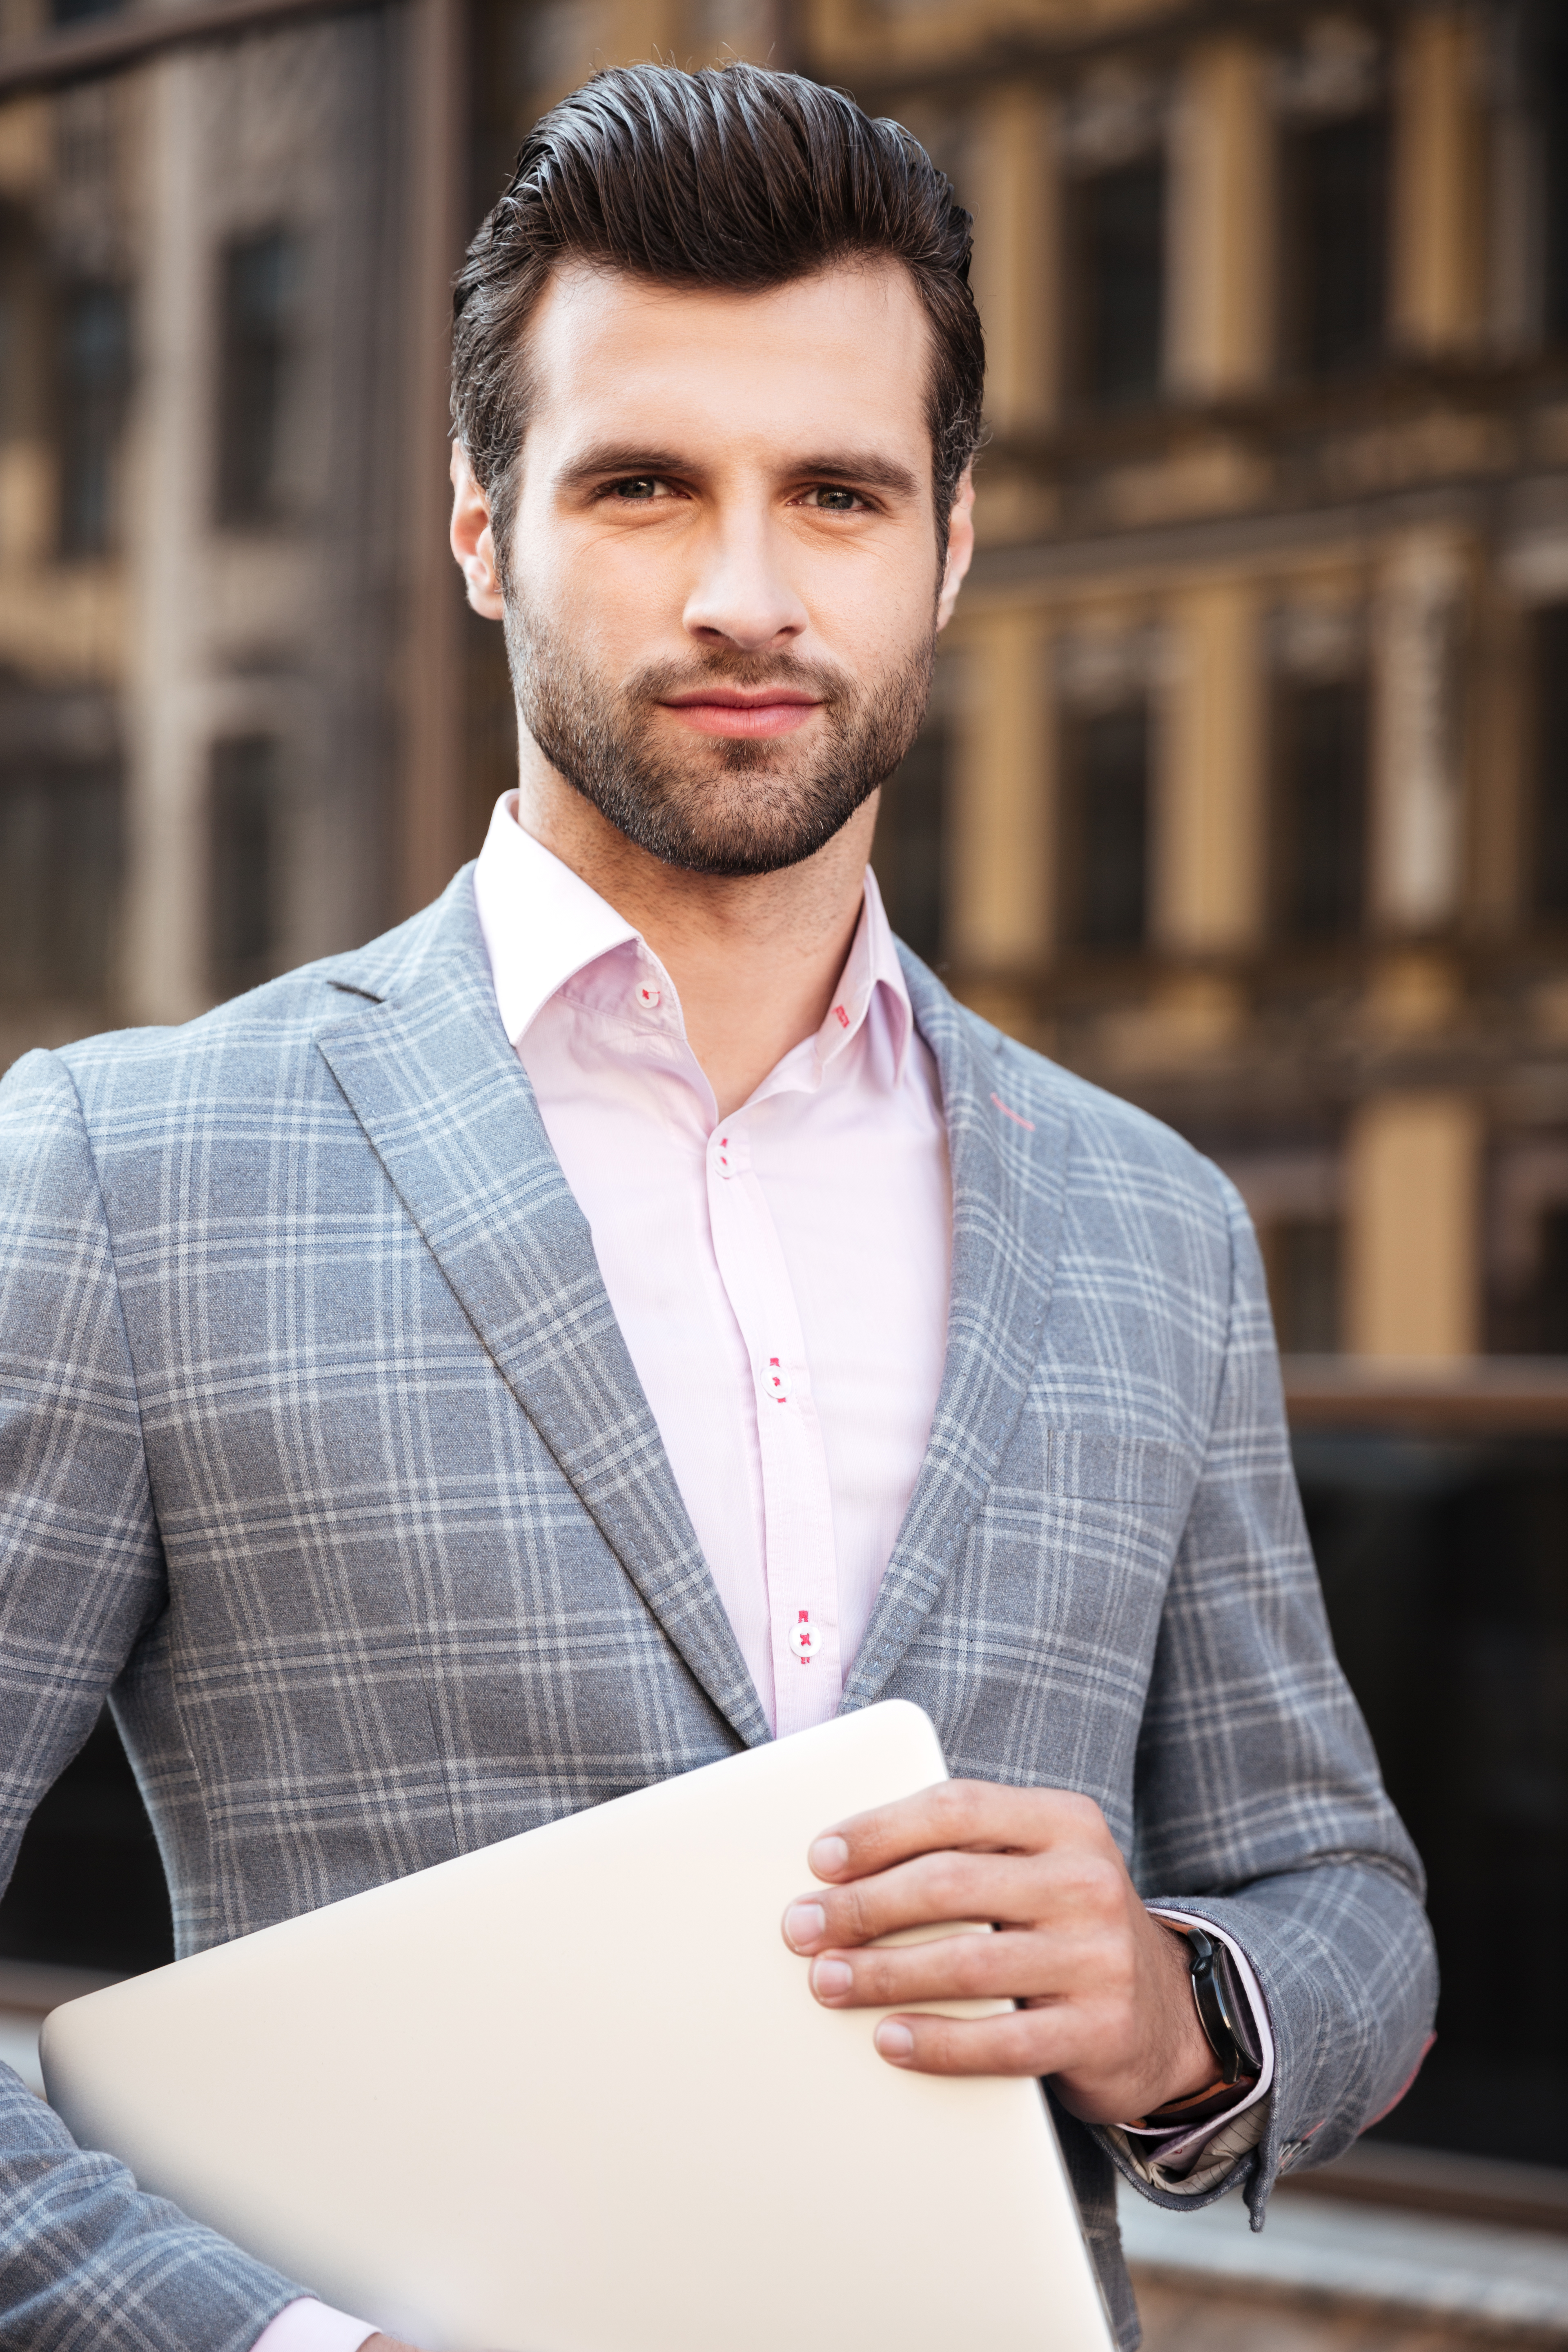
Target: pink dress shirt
(780, 1277)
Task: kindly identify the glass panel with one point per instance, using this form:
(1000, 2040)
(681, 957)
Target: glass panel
(1552, 1289)
(1546, 55)
(1549, 863)
(260, 299)
(1320, 845)
(1108, 774)
(247, 846)
(94, 381)
(1333, 283)
(1303, 1260)
(910, 834)
(1120, 271)
(1442, 1566)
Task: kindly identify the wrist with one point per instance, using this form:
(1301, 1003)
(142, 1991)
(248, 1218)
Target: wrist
(1189, 2069)
(1218, 2062)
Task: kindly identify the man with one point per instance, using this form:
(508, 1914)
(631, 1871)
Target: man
(631, 1310)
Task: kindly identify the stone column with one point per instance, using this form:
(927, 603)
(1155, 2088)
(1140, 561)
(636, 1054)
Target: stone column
(1222, 241)
(1439, 194)
(1017, 258)
(1207, 894)
(1413, 1213)
(1419, 762)
(1003, 888)
(165, 976)
(432, 844)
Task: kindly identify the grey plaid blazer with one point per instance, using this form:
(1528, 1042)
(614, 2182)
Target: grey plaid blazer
(322, 1455)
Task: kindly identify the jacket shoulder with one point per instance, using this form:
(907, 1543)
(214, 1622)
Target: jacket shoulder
(263, 1028)
(1111, 1140)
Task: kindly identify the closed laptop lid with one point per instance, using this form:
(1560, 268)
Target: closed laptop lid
(572, 2094)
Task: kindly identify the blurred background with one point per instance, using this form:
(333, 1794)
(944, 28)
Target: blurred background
(1244, 791)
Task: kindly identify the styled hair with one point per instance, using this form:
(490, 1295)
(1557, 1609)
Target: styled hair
(731, 177)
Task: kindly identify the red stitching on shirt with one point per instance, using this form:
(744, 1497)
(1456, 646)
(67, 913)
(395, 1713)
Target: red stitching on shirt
(1015, 1118)
(843, 1016)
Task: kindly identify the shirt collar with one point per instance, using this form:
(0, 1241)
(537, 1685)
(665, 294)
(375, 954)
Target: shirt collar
(542, 924)
(872, 976)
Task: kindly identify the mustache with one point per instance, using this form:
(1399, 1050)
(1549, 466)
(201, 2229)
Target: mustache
(725, 665)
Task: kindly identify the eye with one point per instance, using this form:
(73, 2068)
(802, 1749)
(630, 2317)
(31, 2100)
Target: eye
(832, 497)
(636, 490)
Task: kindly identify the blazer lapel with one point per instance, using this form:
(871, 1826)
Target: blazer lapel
(1009, 1178)
(427, 1071)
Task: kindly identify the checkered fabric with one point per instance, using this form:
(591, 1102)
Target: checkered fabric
(323, 1456)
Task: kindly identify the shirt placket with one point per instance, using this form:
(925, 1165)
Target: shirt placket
(800, 1562)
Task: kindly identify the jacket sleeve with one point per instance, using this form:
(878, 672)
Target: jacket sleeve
(1259, 1802)
(84, 2256)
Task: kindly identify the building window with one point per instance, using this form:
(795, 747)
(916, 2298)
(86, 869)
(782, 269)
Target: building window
(908, 851)
(1319, 808)
(1302, 1256)
(60, 860)
(94, 381)
(259, 344)
(1117, 276)
(1546, 78)
(246, 881)
(1107, 845)
(1333, 280)
(1549, 846)
(1552, 1284)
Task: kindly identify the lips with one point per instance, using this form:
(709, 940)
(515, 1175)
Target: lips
(725, 710)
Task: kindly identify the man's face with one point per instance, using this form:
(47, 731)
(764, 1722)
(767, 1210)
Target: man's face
(722, 587)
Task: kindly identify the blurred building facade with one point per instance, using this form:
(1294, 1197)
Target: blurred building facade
(1244, 789)
(208, 382)
(1258, 757)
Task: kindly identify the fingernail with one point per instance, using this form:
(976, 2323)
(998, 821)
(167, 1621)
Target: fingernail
(894, 2040)
(828, 1856)
(829, 1978)
(805, 1923)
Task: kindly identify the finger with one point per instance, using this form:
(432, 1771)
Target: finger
(952, 1967)
(1021, 2041)
(937, 1889)
(961, 1813)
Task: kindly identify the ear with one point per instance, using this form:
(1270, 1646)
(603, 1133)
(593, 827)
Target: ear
(960, 548)
(472, 544)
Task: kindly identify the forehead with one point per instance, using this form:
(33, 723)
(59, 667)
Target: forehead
(840, 358)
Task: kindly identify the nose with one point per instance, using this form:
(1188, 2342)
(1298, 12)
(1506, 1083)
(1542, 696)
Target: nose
(743, 595)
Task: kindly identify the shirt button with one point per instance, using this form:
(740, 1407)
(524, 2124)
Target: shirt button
(723, 1157)
(802, 1637)
(649, 998)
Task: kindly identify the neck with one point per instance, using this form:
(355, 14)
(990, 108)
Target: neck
(754, 958)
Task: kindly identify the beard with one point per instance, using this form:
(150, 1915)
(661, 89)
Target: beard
(715, 805)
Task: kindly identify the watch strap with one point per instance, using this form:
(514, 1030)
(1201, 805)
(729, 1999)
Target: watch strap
(1223, 2010)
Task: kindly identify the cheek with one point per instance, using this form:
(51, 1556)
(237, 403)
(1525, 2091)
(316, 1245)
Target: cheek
(875, 614)
(620, 595)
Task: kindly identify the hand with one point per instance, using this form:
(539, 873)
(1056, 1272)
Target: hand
(1107, 2004)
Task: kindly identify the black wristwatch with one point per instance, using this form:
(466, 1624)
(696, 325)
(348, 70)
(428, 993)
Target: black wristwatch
(1223, 2009)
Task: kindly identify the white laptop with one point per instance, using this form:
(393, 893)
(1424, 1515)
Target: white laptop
(572, 2094)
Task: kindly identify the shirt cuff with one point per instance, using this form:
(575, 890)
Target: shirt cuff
(1187, 2162)
(312, 2326)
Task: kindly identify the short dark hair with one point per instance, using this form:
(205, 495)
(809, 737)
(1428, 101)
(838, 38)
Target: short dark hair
(736, 177)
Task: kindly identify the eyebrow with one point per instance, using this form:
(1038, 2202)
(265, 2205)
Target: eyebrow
(631, 458)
